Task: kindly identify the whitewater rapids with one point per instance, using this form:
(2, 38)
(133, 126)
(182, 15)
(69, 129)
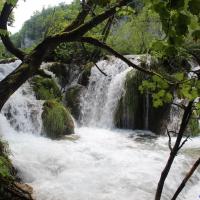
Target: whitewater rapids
(101, 165)
(96, 163)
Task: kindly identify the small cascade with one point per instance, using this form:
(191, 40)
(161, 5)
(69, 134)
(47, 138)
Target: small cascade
(22, 109)
(6, 69)
(99, 101)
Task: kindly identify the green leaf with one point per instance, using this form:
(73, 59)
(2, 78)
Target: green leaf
(12, 2)
(179, 76)
(194, 7)
(181, 23)
(176, 4)
(3, 32)
(168, 97)
(196, 35)
(102, 3)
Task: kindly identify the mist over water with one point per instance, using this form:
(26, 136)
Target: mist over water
(101, 162)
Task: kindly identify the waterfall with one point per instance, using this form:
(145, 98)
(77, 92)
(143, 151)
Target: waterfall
(22, 109)
(99, 101)
(100, 163)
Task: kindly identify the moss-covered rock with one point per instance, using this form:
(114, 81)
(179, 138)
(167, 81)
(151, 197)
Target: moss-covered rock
(135, 110)
(130, 112)
(57, 120)
(9, 187)
(45, 88)
(72, 100)
(193, 127)
(85, 74)
(62, 72)
(5, 164)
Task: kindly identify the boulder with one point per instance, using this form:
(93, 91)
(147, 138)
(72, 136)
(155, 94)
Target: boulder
(57, 120)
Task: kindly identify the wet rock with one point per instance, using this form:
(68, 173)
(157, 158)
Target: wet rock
(72, 99)
(85, 75)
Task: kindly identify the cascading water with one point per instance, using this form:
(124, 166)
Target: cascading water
(22, 110)
(103, 164)
(100, 100)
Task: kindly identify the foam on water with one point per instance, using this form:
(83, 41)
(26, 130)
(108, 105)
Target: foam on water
(103, 164)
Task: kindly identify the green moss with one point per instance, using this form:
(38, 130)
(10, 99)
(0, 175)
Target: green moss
(5, 164)
(57, 120)
(85, 75)
(132, 110)
(72, 100)
(45, 88)
(194, 127)
(61, 72)
(128, 113)
(6, 177)
(4, 168)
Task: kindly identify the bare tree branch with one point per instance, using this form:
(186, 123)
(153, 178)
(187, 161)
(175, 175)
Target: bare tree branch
(184, 141)
(86, 8)
(187, 177)
(102, 45)
(5, 13)
(170, 140)
(185, 119)
(32, 62)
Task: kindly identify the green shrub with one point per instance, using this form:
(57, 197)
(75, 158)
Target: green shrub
(57, 120)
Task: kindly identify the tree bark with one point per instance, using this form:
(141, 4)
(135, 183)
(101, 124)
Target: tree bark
(185, 180)
(175, 149)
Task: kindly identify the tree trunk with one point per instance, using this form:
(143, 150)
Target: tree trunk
(18, 77)
(175, 149)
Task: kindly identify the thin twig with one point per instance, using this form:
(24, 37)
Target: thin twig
(170, 140)
(186, 139)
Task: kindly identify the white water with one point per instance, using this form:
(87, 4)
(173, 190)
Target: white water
(22, 110)
(100, 100)
(102, 164)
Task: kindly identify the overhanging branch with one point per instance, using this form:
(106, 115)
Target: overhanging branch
(5, 13)
(102, 45)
